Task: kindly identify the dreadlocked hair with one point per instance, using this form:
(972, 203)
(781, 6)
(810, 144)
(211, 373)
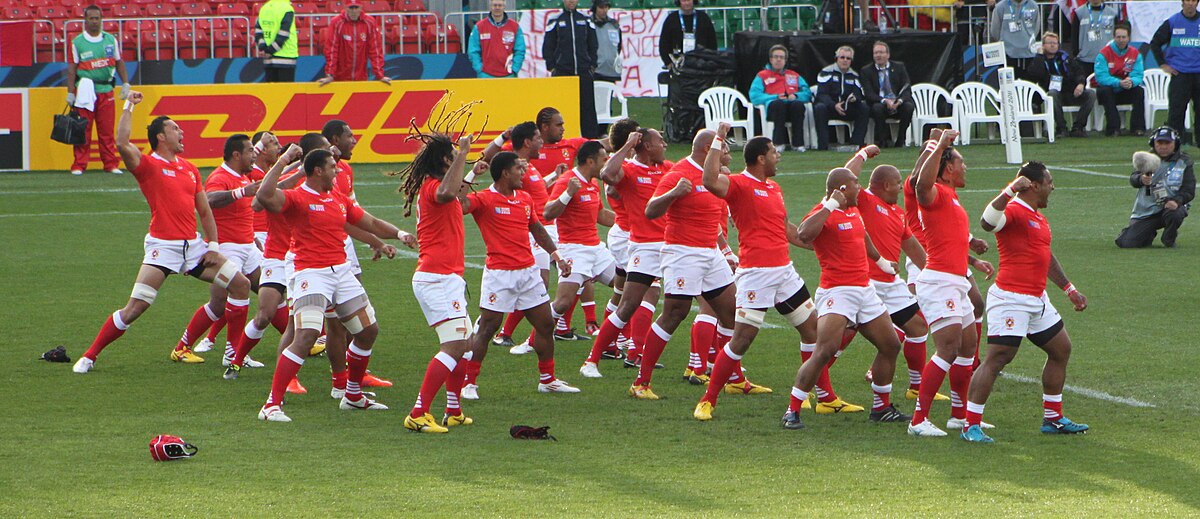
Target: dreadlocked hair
(545, 115)
(438, 141)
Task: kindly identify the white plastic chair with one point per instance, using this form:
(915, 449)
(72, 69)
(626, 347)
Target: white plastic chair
(768, 127)
(1098, 113)
(1155, 86)
(721, 104)
(1024, 111)
(843, 128)
(926, 99)
(971, 102)
(605, 92)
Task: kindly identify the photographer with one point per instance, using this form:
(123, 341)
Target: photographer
(1165, 191)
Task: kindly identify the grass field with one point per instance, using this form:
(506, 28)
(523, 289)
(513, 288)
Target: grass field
(74, 445)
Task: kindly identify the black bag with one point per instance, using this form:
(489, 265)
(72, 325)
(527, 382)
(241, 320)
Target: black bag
(69, 127)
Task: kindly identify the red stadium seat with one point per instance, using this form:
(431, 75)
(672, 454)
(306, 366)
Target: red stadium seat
(229, 44)
(445, 40)
(193, 44)
(161, 10)
(72, 3)
(233, 9)
(145, 2)
(18, 13)
(74, 28)
(136, 27)
(375, 6)
(111, 26)
(52, 12)
(410, 40)
(410, 5)
(158, 45)
(306, 8)
(105, 4)
(335, 6)
(34, 4)
(195, 10)
(126, 10)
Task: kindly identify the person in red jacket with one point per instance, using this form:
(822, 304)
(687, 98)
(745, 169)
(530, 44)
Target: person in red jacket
(352, 40)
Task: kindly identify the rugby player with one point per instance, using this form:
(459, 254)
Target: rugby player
(176, 197)
(1017, 302)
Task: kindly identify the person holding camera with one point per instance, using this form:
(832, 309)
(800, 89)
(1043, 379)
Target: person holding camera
(840, 96)
(1166, 185)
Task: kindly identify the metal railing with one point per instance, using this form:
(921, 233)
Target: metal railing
(755, 18)
(140, 28)
(316, 23)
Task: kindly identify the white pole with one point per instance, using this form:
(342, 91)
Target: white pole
(1009, 125)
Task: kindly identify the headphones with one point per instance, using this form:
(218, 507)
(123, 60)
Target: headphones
(1174, 136)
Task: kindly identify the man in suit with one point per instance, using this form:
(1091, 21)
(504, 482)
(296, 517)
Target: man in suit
(888, 91)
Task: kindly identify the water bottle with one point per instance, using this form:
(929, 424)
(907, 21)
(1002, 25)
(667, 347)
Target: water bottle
(883, 25)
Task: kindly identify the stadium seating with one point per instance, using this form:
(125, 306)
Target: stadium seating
(724, 104)
(976, 103)
(1027, 94)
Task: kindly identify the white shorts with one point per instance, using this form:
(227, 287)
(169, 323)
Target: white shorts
(895, 295)
(766, 286)
(442, 296)
(352, 257)
(276, 272)
(588, 262)
(860, 305)
(541, 258)
(245, 255)
(943, 296)
(645, 258)
(336, 283)
(618, 245)
(179, 256)
(260, 237)
(912, 270)
(507, 290)
(1013, 314)
(691, 271)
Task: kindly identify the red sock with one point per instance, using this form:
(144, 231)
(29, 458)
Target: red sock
(638, 326)
(201, 320)
(564, 324)
(607, 334)
(1052, 406)
(883, 397)
(704, 332)
(719, 341)
(960, 381)
(217, 326)
(589, 311)
(656, 341)
(973, 417)
(823, 386)
(546, 371)
(454, 384)
(357, 360)
(109, 332)
(722, 369)
(235, 316)
(250, 338)
(472, 371)
(280, 320)
(931, 380)
(511, 322)
(339, 379)
(796, 403)
(439, 369)
(914, 356)
(285, 370)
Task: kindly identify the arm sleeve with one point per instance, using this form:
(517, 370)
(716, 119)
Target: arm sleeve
(994, 25)
(332, 44)
(1161, 38)
(758, 93)
(1103, 77)
(803, 95)
(550, 45)
(668, 38)
(354, 212)
(593, 46)
(870, 86)
(1072, 47)
(475, 203)
(1135, 180)
(1187, 191)
(375, 46)
(1035, 70)
(706, 33)
(518, 52)
(475, 53)
(1138, 75)
(286, 26)
(825, 89)
(258, 37)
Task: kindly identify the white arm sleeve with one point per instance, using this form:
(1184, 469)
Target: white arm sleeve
(994, 217)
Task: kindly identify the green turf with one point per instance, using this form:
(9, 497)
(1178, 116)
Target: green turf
(76, 445)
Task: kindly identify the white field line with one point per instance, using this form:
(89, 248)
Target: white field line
(1088, 172)
(1083, 391)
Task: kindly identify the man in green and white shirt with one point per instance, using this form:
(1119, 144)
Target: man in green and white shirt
(94, 63)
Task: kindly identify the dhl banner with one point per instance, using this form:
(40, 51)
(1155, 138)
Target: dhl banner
(380, 115)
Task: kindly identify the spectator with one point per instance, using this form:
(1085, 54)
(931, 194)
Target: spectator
(1119, 76)
(1181, 59)
(276, 36)
(1092, 26)
(888, 92)
(570, 49)
(685, 30)
(783, 92)
(496, 46)
(92, 67)
(1165, 191)
(353, 40)
(839, 96)
(608, 38)
(1017, 24)
(1063, 79)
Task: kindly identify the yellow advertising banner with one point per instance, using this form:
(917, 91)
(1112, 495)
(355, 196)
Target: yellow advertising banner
(380, 115)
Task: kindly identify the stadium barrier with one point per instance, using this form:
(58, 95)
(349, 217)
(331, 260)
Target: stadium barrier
(381, 114)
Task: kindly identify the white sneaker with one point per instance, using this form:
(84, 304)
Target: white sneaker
(624, 343)
(249, 362)
(521, 349)
(116, 171)
(83, 365)
(273, 414)
(557, 386)
(363, 404)
(958, 424)
(336, 393)
(469, 392)
(779, 148)
(925, 428)
(77, 172)
(590, 370)
(205, 345)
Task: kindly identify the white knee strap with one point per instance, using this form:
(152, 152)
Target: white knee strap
(310, 318)
(360, 320)
(457, 329)
(144, 292)
(750, 317)
(798, 316)
(226, 274)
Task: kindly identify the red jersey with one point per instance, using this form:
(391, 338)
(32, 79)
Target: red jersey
(535, 184)
(344, 181)
(561, 152)
(694, 219)
(318, 223)
(504, 223)
(841, 249)
(947, 233)
(170, 189)
(440, 232)
(885, 224)
(636, 189)
(761, 220)
(279, 233)
(618, 209)
(1024, 244)
(234, 221)
(577, 223)
(260, 217)
(910, 210)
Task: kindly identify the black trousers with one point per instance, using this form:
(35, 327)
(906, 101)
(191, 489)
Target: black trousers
(1141, 231)
(280, 74)
(781, 112)
(1085, 102)
(857, 113)
(1183, 88)
(883, 133)
(1110, 98)
(588, 127)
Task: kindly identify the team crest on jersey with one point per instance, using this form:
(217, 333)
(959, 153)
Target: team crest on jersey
(829, 303)
(679, 283)
(154, 254)
(456, 305)
(950, 304)
(304, 285)
(751, 296)
(503, 210)
(566, 154)
(1009, 322)
(316, 207)
(492, 298)
(267, 273)
(760, 192)
(845, 226)
(637, 260)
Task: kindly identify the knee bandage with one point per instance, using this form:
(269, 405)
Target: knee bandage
(360, 320)
(798, 316)
(144, 292)
(457, 329)
(310, 318)
(750, 316)
(225, 274)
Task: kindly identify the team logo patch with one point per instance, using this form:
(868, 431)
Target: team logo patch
(456, 305)
(701, 189)
(492, 298)
(881, 209)
(154, 254)
(503, 210)
(1034, 224)
(316, 207)
(1009, 322)
(760, 192)
(950, 304)
(829, 303)
(845, 226)
(637, 260)
(267, 273)
(645, 180)
(304, 285)
(751, 296)
(679, 283)
(585, 198)
(169, 173)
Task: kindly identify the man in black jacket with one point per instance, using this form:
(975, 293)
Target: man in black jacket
(1059, 74)
(888, 90)
(685, 30)
(570, 48)
(839, 96)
